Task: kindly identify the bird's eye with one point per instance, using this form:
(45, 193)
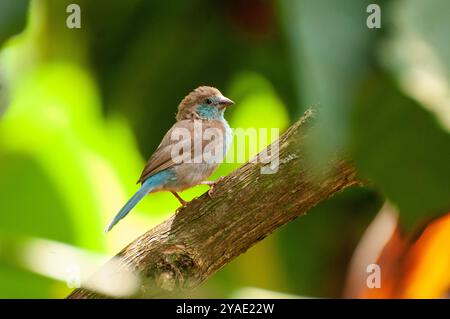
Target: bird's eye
(208, 101)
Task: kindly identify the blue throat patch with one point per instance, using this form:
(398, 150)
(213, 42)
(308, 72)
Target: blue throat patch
(209, 112)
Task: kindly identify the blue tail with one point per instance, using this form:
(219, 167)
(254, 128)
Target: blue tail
(146, 187)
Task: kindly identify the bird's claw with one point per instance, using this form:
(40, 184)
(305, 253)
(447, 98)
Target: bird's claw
(183, 205)
(212, 185)
(182, 201)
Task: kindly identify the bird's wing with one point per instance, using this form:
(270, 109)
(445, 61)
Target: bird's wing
(162, 157)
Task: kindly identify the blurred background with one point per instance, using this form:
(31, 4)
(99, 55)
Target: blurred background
(82, 109)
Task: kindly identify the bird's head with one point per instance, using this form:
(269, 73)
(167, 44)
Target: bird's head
(205, 102)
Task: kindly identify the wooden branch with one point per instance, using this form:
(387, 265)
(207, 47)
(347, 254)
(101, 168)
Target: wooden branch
(201, 238)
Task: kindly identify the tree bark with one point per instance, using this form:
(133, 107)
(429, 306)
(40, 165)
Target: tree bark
(246, 206)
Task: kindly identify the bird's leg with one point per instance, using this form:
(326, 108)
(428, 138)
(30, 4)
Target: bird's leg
(182, 201)
(211, 185)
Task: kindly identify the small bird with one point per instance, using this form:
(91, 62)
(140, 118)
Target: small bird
(202, 108)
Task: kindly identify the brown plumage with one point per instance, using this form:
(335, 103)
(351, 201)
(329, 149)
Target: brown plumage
(186, 109)
(187, 113)
(203, 108)
(162, 157)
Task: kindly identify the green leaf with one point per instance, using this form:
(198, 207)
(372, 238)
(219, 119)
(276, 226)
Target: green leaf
(331, 46)
(403, 150)
(417, 52)
(12, 18)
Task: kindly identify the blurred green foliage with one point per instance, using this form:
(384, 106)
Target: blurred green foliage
(82, 109)
(415, 171)
(12, 18)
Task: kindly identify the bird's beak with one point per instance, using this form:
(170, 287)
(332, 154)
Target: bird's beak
(224, 102)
